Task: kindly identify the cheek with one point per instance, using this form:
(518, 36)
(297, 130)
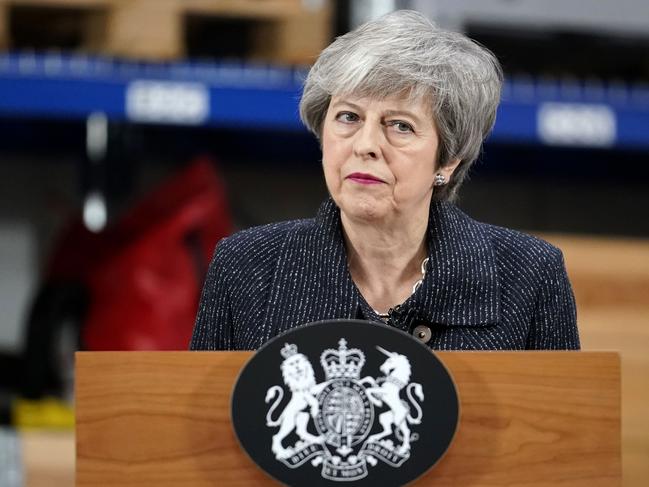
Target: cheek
(414, 178)
(334, 156)
(426, 168)
(330, 170)
(327, 136)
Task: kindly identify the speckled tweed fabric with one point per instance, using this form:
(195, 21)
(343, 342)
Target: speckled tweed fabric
(486, 287)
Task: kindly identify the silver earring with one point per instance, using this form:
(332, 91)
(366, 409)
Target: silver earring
(440, 180)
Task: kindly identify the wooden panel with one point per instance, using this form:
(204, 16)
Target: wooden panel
(59, 3)
(285, 31)
(295, 39)
(626, 329)
(245, 8)
(149, 29)
(528, 419)
(4, 26)
(606, 271)
(610, 277)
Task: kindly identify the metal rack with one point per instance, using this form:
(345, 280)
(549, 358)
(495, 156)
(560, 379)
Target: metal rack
(572, 113)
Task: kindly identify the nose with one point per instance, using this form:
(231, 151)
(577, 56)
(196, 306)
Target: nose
(367, 141)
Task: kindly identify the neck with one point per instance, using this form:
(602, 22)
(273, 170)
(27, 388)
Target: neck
(385, 261)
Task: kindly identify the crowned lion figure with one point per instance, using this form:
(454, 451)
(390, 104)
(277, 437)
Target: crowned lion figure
(299, 377)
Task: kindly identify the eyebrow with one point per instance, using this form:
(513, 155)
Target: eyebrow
(389, 113)
(393, 113)
(348, 103)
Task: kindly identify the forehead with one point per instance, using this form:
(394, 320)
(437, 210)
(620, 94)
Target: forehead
(419, 106)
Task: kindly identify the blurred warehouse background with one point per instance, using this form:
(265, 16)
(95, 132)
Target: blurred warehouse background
(136, 133)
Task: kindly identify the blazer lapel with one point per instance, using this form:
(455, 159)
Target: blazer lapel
(311, 281)
(461, 287)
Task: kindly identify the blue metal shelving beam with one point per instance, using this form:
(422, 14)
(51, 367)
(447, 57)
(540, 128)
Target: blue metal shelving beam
(548, 112)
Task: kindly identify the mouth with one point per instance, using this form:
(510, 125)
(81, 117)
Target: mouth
(364, 178)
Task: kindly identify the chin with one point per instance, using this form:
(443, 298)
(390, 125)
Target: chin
(363, 209)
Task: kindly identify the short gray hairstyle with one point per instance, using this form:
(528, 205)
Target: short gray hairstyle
(404, 53)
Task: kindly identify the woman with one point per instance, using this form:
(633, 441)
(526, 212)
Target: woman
(401, 109)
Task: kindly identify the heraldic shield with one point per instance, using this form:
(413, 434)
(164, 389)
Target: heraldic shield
(379, 408)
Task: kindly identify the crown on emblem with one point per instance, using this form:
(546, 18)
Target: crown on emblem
(342, 363)
(288, 350)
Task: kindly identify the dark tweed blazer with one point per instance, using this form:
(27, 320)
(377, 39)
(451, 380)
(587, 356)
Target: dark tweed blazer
(486, 287)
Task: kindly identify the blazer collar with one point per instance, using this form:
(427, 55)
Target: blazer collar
(461, 286)
(460, 289)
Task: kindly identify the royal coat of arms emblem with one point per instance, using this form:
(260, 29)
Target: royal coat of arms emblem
(332, 420)
(345, 401)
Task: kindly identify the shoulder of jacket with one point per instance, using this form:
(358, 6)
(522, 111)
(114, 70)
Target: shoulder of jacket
(257, 244)
(514, 244)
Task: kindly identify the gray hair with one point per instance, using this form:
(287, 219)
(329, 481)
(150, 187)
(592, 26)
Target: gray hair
(404, 53)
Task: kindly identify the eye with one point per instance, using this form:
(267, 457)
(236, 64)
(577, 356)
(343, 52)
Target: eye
(401, 126)
(347, 117)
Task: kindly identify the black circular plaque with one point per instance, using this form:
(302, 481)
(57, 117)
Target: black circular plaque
(345, 402)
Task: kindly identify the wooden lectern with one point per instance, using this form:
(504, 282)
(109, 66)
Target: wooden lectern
(527, 419)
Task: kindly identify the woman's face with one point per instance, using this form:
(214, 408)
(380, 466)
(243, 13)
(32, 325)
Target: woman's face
(379, 157)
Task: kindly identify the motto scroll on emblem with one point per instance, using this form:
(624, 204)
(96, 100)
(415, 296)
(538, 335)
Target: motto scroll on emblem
(342, 411)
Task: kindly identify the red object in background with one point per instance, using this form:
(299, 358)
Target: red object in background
(144, 273)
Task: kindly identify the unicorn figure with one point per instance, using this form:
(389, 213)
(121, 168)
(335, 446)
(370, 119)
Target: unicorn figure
(387, 390)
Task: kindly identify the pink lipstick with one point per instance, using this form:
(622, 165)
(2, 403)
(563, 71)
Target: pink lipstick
(363, 178)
